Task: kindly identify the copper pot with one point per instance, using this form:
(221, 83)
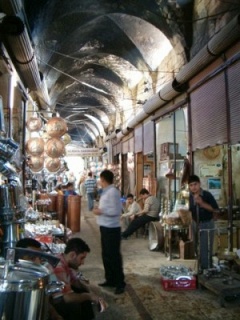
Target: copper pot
(55, 148)
(34, 124)
(36, 164)
(56, 127)
(53, 164)
(35, 146)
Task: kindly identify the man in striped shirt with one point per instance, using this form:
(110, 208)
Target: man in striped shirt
(90, 186)
(149, 213)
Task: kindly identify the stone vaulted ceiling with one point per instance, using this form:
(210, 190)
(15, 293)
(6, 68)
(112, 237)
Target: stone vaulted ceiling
(93, 55)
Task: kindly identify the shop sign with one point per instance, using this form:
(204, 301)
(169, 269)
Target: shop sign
(211, 170)
(83, 152)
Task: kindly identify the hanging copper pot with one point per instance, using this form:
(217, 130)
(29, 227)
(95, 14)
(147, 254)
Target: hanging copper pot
(35, 146)
(45, 136)
(34, 124)
(36, 164)
(55, 148)
(56, 127)
(53, 164)
(66, 138)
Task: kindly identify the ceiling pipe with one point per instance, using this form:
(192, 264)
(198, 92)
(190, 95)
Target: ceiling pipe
(139, 117)
(18, 44)
(228, 35)
(218, 44)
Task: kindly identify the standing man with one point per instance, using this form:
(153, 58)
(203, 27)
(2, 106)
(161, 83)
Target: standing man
(149, 213)
(108, 218)
(132, 208)
(90, 186)
(202, 205)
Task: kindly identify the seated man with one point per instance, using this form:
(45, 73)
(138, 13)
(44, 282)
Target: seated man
(75, 302)
(149, 213)
(130, 211)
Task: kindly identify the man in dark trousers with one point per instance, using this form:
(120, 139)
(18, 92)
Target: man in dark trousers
(108, 218)
(202, 205)
(150, 212)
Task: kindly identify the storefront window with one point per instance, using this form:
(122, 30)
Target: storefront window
(171, 149)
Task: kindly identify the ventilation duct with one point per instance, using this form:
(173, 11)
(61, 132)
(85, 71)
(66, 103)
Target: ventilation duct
(228, 35)
(218, 44)
(119, 135)
(137, 119)
(18, 44)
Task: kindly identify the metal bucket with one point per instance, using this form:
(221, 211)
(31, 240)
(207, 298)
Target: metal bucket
(156, 236)
(24, 288)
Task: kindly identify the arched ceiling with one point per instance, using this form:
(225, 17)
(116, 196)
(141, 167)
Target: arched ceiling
(93, 54)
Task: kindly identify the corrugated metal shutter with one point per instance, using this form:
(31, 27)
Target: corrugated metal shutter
(138, 136)
(148, 137)
(234, 97)
(115, 150)
(208, 112)
(131, 145)
(125, 147)
(119, 147)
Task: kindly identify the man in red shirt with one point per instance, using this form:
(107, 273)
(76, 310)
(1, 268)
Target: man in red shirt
(75, 301)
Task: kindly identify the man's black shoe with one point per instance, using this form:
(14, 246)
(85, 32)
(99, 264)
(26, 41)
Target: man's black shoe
(106, 284)
(119, 290)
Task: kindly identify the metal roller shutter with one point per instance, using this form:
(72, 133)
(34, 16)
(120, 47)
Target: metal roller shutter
(208, 113)
(125, 147)
(148, 137)
(138, 136)
(234, 98)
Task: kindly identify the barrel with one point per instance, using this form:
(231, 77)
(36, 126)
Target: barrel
(52, 205)
(60, 208)
(156, 236)
(74, 212)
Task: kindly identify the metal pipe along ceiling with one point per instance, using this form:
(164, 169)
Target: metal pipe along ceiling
(20, 49)
(218, 44)
(137, 119)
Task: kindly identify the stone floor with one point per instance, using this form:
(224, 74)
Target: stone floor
(144, 297)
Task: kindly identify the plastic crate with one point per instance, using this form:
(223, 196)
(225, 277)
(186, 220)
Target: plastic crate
(179, 284)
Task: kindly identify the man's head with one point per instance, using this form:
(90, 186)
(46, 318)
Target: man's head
(106, 178)
(75, 252)
(130, 198)
(70, 186)
(32, 244)
(90, 174)
(144, 193)
(194, 184)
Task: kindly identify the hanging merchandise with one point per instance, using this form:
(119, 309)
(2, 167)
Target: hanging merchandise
(35, 146)
(52, 165)
(56, 127)
(66, 139)
(36, 164)
(55, 148)
(34, 124)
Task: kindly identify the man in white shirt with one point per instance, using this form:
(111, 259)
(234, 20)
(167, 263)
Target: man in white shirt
(130, 211)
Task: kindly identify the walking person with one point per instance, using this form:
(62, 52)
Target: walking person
(91, 186)
(202, 205)
(108, 218)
